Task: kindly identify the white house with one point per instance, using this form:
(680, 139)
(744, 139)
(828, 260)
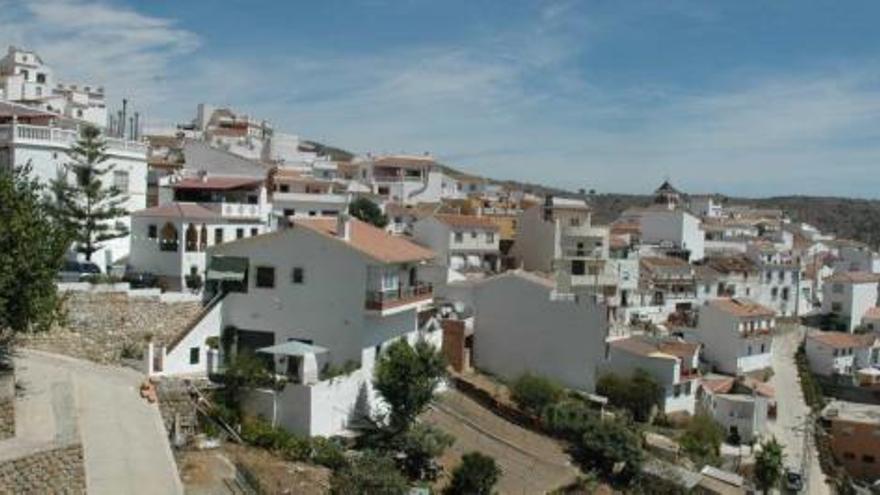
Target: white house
(839, 353)
(522, 324)
(666, 285)
(674, 230)
(742, 414)
(42, 139)
(320, 295)
(847, 297)
(782, 271)
(672, 363)
(408, 179)
(736, 335)
(462, 242)
(297, 195)
(856, 258)
(705, 207)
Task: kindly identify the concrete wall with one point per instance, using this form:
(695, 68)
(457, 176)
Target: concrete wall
(176, 360)
(518, 328)
(534, 247)
(674, 226)
(748, 414)
(665, 371)
(854, 301)
(726, 348)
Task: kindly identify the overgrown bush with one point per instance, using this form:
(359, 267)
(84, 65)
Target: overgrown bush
(317, 450)
(369, 474)
(533, 393)
(327, 452)
(639, 394)
(476, 475)
(419, 446)
(809, 386)
(611, 447)
(702, 439)
(568, 418)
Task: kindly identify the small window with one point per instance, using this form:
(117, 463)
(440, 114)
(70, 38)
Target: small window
(289, 212)
(490, 237)
(849, 456)
(473, 234)
(578, 267)
(676, 390)
(284, 188)
(265, 277)
(120, 180)
(254, 231)
(193, 355)
(239, 233)
(459, 237)
(218, 236)
(298, 275)
(152, 232)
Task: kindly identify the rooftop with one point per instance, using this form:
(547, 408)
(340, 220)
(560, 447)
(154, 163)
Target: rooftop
(466, 221)
(369, 240)
(840, 340)
(216, 182)
(648, 347)
(852, 411)
(854, 278)
(741, 308)
(178, 210)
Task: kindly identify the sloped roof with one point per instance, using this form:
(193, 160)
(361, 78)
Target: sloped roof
(178, 210)
(854, 278)
(201, 156)
(838, 340)
(641, 347)
(466, 221)
(369, 240)
(740, 307)
(216, 182)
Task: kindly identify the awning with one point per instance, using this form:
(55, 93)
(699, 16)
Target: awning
(293, 348)
(230, 268)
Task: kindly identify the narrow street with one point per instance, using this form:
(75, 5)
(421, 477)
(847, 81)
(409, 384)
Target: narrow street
(792, 413)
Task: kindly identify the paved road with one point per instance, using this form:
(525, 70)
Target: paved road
(125, 446)
(788, 428)
(530, 463)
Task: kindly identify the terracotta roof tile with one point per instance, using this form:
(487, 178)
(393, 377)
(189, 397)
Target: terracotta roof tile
(839, 340)
(467, 221)
(216, 182)
(369, 240)
(873, 313)
(854, 278)
(178, 210)
(742, 308)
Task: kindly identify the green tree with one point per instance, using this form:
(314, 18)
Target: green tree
(768, 465)
(406, 377)
(369, 474)
(533, 393)
(638, 394)
(611, 447)
(702, 440)
(420, 445)
(32, 249)
(476, 475)
(86, 205)
(368, 211)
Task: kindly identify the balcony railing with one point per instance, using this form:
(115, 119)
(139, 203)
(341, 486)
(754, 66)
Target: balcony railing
(235, 210)
(61, 137)
(380, 300)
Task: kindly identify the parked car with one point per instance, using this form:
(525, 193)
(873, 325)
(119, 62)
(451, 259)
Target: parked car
(794, 482)
(141, 280)
(78, 271)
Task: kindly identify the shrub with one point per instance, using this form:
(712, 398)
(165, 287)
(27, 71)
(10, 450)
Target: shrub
(327, 453)
(406, 377)
(420, 445)
(476, 475)
(369, 474)
(611, 447)
(638, 394)
(533, 393)
(702, 439)
(568, 418)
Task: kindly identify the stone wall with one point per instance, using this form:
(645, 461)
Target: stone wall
(109, 327)
(7, 419)
(53, 471)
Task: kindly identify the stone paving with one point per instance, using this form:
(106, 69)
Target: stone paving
(109, 327)
(54, 471)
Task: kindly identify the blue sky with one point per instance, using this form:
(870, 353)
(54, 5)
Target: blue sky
(748, 98)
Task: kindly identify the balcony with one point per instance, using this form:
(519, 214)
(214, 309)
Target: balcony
(236, 210)
(303, 197)
(384, 300)
(62, 138)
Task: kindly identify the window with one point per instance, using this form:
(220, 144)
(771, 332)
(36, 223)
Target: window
(835, 353)
(298, 275)
(763, 348)
(687, 388)
(785, 293)
(749, 350)
(41, 78)
(490, 237)
(265, 277)
(218, 236)
(836, 307)
(473, 234)
(574, 221)
(239, 233)
(868, 459)
(254, 231)
(676, 390)
(849, 456)
(120, 180)
(578, 267)
(459, 237)
(774, 293)
(329, 213)
(284, 188)
(289, 212)
(193, 355)
(152, 232)
(313, 213)
(837, 288)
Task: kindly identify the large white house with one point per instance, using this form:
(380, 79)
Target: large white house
(736, 334)
(673, 363)
(407, 179)
(317, 296)
(848, 296)
(839, 353)
(462, 242)
(523, 324)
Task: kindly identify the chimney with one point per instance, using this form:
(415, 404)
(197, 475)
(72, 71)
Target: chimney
(343, 226)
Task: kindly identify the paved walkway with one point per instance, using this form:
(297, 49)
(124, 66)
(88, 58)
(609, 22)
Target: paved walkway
(530, 463)
(788, 428)
(125, 446)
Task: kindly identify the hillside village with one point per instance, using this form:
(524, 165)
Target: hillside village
(315, 263)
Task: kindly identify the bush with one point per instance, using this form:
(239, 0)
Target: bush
(327, 453)
(611, 447)
(420, 445)
(568, 418)
(476, 475)
(369, 474)
(702, 440)
(533, 393)
(638, 394)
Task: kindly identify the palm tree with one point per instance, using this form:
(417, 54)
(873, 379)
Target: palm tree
(768, 464)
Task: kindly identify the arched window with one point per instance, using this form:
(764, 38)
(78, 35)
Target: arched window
(168, 239)
(203, 238)
(192, 238)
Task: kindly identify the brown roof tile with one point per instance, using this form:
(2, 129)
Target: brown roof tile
(742, 308)
(369, 240)
(854, 278)
(467, 221)
(216, 182)
(178, 210)
(840, 340)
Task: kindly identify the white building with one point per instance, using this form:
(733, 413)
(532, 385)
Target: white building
(408, 179)
(737, 335)
(320, 295)
(856, 258)
(742, 414)
(847, 297)
(674, 230)
(782, 271)
(832, 353)
(666, 285)
(672, 363)
(26, 79)
(42, 139)
(705, 207)
(522, 324)
(297, 195)
(462, 242)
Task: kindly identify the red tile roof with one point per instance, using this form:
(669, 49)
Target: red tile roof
(719, 385)
(178, 210)
(216, 183)
(838, 340)
(873, 313)
(854, 278)
(467, 221)
(369, 240)
(742, 308)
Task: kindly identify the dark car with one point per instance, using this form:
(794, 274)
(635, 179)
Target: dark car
(78, 271)
(794, 482)
(141, 280)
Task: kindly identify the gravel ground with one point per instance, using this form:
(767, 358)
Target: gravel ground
(55, 471)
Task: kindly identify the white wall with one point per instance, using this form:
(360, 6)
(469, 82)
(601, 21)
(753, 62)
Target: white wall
(823, 361)
(747, 414)
(535, 243)
(176, 360)
(726, 348)
(854, 300)
(518, 329)
(674, 226)
(664, 370)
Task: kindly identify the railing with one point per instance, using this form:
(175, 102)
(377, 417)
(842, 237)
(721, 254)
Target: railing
(62, 137)
(310, 197)
(380, 300)
(235, 210)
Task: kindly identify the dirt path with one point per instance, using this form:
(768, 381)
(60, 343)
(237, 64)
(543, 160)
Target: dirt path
(530, 463)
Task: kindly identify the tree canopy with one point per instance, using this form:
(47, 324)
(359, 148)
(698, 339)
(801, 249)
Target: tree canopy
(476, 475)
(638, 394)
(369, 474)
(367, 211)
(768, 464)
(87, 205)
(611, 447)
(406, 376)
